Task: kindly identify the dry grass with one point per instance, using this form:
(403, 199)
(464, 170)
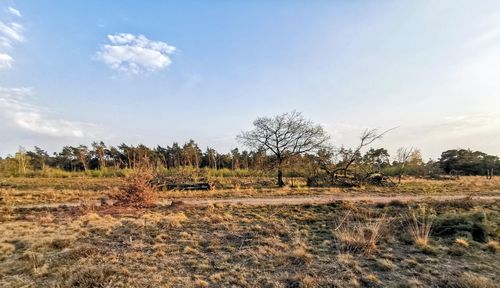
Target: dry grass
(419, 222)
(357, 234)
(493, 246)
(19, 191)
(289, 246)
(330, 245)
(463, 242)
(470, 280)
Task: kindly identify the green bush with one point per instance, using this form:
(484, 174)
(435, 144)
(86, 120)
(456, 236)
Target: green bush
(472, 225)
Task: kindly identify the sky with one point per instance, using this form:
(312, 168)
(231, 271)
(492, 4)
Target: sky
(155, 72)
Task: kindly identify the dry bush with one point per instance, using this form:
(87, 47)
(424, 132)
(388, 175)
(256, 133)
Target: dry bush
(419, 222)
(139, 189)
(358, 234)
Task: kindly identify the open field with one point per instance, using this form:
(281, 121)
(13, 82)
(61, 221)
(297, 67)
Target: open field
(250, 237)
(32, 191)
(274, 144)
(339, 244)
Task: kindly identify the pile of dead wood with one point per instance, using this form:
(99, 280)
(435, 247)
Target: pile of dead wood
(182, 182)
(188, 186)
(376, 179)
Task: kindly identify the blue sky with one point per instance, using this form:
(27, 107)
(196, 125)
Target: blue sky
(74, 72)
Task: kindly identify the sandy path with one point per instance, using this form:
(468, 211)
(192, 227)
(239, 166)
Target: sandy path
(276, 201)
(323, 199)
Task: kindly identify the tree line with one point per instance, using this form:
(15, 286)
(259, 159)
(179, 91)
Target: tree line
(99, 156)
(287, 144)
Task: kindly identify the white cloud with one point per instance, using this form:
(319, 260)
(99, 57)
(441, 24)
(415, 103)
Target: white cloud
(16, 109)
(5, 61)
(135, 54)
(12, 32)
(9, 34)
(14, 11)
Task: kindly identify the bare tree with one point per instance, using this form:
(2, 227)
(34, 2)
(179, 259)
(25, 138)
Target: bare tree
(284, 136)
(334, 161)
(367, 137)
(402, 157)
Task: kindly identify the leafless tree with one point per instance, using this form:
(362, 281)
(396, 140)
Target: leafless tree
(326, 157)
(403, 155)
(367, 137)
(284, 136)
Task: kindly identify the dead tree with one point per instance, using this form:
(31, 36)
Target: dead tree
(402, 157)
(327, 158)
(367, 138)
(284, 136)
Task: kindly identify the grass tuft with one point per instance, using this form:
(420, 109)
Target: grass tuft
(419, 225)
(359, 235)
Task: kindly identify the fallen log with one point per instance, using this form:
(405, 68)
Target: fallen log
(188, 186)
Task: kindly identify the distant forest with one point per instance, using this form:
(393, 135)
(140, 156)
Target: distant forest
(99, 156)
(286, 144)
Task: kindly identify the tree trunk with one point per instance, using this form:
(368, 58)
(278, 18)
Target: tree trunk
(280, 178)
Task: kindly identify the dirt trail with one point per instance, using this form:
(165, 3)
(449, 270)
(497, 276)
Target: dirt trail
(276, 201)
(324, 199)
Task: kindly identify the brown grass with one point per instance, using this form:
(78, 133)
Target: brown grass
(419, 222)
(470, 280)
(360, 235)
(240, 246)
(20, 191)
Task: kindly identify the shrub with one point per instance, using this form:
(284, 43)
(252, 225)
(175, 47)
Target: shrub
(474, 225)
(139, 189)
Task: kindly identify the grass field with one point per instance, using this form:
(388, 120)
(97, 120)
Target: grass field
(19, 191)
(339, 244)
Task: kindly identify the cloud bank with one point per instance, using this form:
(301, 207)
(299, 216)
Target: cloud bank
(133, 54)
(17, 110)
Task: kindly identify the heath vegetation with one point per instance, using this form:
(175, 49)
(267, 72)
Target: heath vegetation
(131, 216)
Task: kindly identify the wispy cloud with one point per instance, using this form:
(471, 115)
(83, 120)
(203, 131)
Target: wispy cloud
(10, 33)
(16, 109)
(133, 54)
(5, 61)
(13, 11)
